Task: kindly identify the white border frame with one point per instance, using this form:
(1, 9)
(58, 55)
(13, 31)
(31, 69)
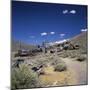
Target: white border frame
(5, 43)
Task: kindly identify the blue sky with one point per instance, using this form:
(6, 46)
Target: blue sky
(34, 23)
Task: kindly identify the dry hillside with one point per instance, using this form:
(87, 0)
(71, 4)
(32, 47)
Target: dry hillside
(16, 45)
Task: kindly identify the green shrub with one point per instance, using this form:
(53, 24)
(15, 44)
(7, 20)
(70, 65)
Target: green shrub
(60, 67)
(23, 78)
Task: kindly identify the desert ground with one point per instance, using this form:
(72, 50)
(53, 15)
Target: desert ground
(63, 68)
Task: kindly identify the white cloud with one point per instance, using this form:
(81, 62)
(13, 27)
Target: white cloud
(83, 30)
(65, 11)
(43, 34)
(52, 33)
(62, 35)
(73, 11)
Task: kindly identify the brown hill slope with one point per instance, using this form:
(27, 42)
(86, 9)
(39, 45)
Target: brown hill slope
(16, 45)
(80, 39)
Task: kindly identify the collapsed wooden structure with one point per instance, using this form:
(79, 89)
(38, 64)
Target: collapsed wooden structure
(52, 49)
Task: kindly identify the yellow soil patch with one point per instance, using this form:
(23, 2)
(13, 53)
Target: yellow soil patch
(53, 78)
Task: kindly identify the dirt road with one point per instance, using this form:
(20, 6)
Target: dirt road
(80, 69)
(76, 74)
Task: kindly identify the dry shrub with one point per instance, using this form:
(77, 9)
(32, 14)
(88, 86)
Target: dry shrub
(60, 67)
(81, 58)
(73, 55)
(65, 55)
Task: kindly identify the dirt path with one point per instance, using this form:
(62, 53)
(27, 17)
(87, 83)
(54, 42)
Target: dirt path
(80, 69)
(75, 74)
(52, 78)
